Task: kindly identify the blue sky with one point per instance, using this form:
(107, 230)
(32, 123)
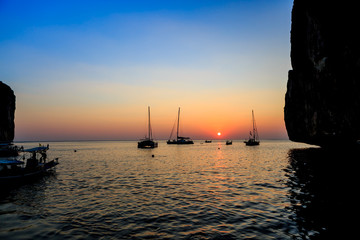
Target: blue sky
(130, 54)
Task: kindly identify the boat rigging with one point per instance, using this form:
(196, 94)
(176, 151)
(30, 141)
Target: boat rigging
(148, 141)
(179, 139)
(253, 136)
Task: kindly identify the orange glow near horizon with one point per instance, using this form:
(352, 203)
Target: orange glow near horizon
(50, 125)
(128, 121)
(70, 125)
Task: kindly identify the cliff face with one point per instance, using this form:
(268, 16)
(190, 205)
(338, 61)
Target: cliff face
(322, 102)
(7, 110)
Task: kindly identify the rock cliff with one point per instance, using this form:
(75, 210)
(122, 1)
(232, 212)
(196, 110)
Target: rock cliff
(7, 110)
(322, 102)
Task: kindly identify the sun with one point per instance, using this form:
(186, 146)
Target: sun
(219, 133)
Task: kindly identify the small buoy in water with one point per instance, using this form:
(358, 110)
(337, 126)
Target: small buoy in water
(153, 155)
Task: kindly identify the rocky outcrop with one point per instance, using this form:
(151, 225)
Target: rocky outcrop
(322, 102)
(7, 111)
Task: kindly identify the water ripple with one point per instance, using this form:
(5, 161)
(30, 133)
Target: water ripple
(112, 190)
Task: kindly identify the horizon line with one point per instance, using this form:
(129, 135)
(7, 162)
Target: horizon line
(128, 140)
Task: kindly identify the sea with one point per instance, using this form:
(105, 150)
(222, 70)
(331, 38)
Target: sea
(113, 190)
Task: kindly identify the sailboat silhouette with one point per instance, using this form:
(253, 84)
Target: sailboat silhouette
(148, 142)
(253, 136)
(179, 139)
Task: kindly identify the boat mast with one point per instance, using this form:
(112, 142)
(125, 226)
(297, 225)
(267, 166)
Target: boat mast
(253, 120)
(149, 126)
(177, 132)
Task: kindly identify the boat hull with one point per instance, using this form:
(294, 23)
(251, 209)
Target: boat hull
(252, 143)
(180, 142)
(21, 177)
(24, 175)
(147, 144)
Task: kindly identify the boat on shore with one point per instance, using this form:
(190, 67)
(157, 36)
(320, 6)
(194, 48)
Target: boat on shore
(179, 139)
(228, 142)
(20, 169)
(253, 136)
(148, 141)
(208, 141)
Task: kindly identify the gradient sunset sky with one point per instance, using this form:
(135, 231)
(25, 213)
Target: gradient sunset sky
(86, 70)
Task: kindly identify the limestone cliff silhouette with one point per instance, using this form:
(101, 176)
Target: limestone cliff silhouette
(7, 113)
(322, 102)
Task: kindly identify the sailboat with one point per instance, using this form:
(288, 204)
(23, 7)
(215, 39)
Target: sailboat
(148, 142)
(179, 140)
(254, 136)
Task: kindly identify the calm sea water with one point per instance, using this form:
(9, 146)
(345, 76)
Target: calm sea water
(112, 190)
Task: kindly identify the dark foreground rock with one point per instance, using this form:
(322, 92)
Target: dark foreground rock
(322, 103)
(7, 110)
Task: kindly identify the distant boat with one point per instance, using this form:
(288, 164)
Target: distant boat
(228, 142)
(179, 140)
(254, 136)
(148, 142)
(208, 141)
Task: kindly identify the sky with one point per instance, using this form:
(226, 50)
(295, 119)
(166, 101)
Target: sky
(88, 70)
